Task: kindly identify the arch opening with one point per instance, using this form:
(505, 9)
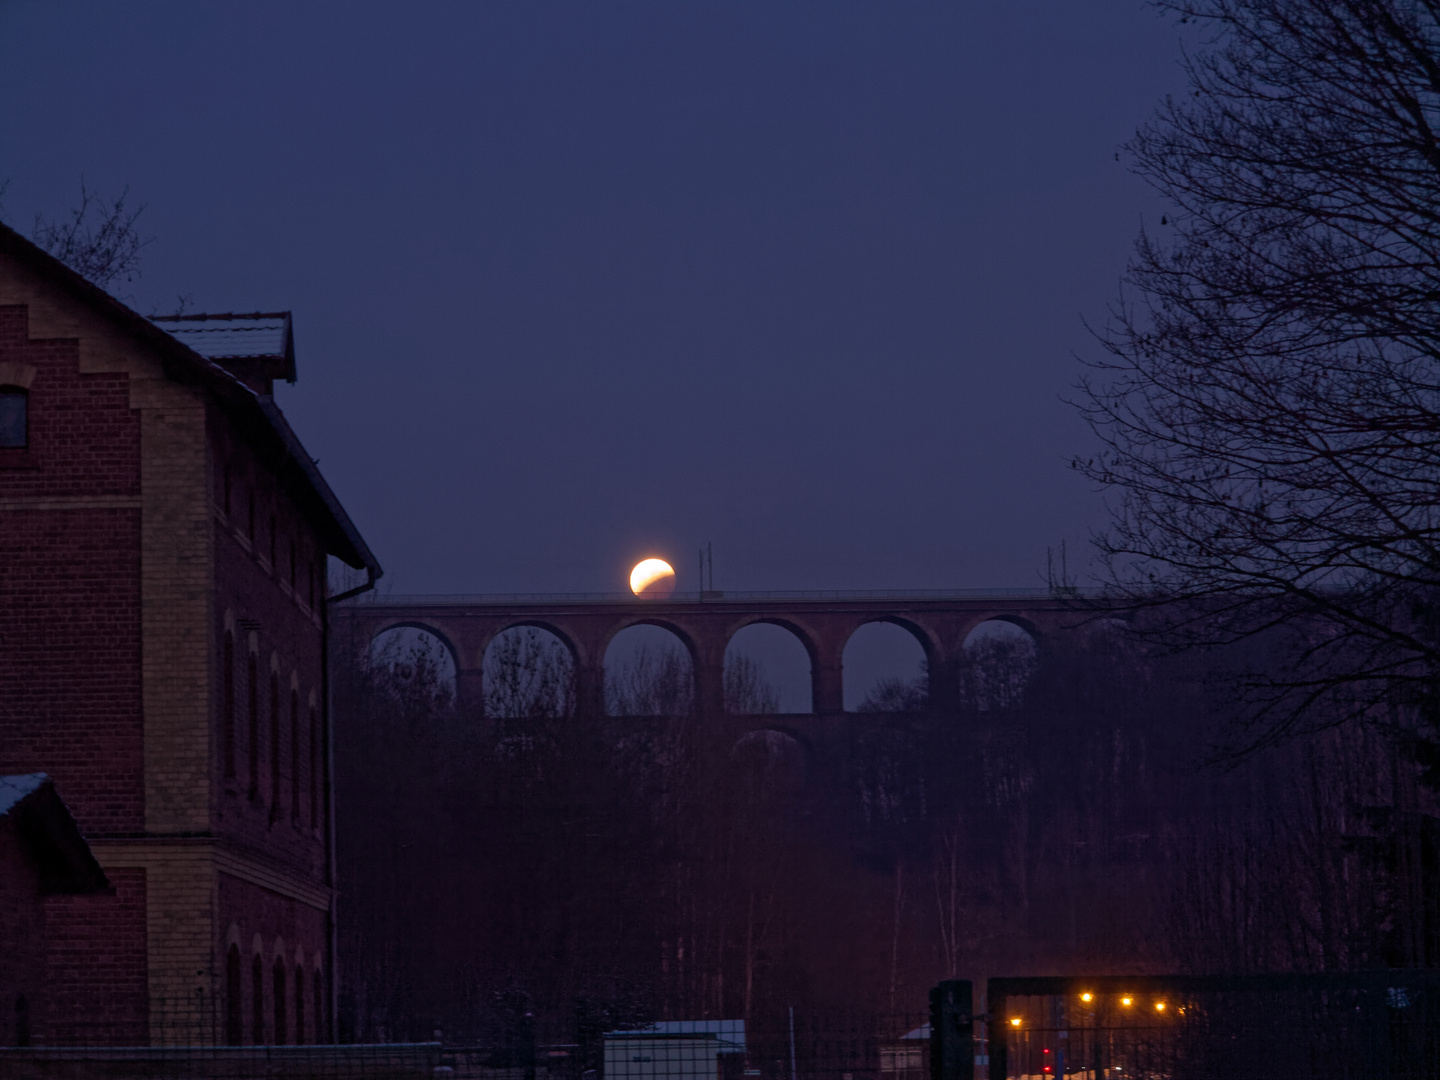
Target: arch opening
(885, 670)
(649, 671)
(528, 671)
(770, 765)
(415, 661)
(1000, 661)
(767, 670)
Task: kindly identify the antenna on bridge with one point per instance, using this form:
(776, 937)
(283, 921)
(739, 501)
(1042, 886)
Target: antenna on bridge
(707, 555)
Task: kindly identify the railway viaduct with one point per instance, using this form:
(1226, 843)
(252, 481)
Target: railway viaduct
(704, 623)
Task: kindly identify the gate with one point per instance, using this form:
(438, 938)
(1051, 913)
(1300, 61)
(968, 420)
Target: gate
(1382, 1025)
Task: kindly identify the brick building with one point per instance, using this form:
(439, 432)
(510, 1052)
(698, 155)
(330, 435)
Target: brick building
(163, 548)
(42, 854)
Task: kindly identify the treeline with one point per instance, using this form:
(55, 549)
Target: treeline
(609, 872)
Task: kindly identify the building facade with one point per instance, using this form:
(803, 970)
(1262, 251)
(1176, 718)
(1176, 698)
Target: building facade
(164, 540)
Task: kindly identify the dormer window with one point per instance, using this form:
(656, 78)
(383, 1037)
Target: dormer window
(14, 418)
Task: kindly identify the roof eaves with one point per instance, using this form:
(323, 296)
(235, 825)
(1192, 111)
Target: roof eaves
(363, 557)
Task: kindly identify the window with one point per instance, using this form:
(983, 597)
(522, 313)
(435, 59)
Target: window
(227, 704)
(257, 1003)
(295, 756)
(314, 768)
(319, 1007)
(14, 418)
(274, 744)
(299, 1005)
(234, 1007)
(280, 980)
(254, 705)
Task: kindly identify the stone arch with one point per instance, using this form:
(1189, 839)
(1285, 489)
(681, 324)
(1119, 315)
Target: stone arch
(734, 679)
(686, 638)
(999, 657)
(775, 759)
(630, 690)
(233, 936)
(446, 642)
(1028, 625)
(564, 636)
(514, 692)
(930, 657)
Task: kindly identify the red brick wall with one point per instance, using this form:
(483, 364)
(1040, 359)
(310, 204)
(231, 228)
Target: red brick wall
(70, 582)
(96, 961)
(284, 927)
(258, 596)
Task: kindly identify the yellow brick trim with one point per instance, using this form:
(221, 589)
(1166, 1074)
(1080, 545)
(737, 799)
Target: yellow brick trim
(152, 851)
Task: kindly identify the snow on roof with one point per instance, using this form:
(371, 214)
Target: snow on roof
(922, 1032)
(14, 789)
(229, 336)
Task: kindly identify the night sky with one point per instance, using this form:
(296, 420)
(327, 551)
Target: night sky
(576, 283)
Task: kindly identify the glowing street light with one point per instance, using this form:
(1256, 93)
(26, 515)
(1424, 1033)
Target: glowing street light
(1127, 1001)
(1015, 1021)
(1159, 1006)
(1087, 996)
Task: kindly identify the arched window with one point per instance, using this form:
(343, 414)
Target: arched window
(320, 1016)
(227, 701)
(275, 744)
(316, 759)
(299, 1005)
(253, 703)
(294, 755)
(257, 1001)
(14, 418)
(234, 1007)
(281, 978)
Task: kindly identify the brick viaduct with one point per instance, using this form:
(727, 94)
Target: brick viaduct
(822, 621)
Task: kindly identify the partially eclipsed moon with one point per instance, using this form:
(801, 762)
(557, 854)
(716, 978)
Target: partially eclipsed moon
(652, 579)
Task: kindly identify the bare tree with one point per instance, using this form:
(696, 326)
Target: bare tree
(99, 240)
(1270, 405)
(651, 683)
(528, 672)
(747, 690)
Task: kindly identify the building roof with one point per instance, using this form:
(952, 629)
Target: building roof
(258, 338)
(15, 788)
(43, 823)
(730, 1034)
(253, 411)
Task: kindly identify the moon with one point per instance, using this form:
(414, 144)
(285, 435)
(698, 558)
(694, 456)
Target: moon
(654, 579)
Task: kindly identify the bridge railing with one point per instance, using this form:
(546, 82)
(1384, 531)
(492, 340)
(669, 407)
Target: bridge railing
(708, 596)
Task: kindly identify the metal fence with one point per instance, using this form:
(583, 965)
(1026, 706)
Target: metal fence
(186, 1037)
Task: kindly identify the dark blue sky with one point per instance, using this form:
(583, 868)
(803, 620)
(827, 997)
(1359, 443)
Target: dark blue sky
(580, 282)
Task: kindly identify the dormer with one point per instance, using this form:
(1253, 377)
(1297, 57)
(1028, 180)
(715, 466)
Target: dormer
(257, 348)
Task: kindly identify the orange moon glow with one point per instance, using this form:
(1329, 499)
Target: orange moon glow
(653, 579)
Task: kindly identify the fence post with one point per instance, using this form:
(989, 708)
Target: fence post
(952, 1031)
(998, 1027)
